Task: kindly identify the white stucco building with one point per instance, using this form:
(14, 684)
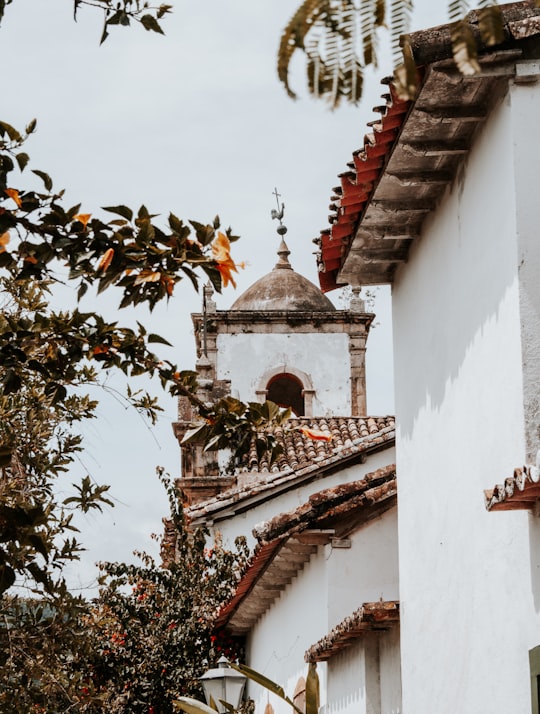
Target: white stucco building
(435, 607)
(323, 519)
(447, 212)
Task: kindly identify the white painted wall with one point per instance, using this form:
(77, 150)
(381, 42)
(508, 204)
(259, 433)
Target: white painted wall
(243, 523)
(245, 358)
(346, 675)
(280, 638)
(390, 672)
(365, 572)
(332, 585)
(470, 594)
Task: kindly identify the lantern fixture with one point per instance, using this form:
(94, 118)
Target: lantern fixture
(223, 684)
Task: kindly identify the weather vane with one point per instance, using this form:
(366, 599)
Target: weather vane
(281, 229)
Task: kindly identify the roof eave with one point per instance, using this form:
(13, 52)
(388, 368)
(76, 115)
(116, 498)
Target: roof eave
(397, 180)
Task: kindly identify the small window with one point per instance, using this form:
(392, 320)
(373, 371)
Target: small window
(287, 391)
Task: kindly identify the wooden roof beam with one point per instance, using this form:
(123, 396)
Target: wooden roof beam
(383, 231)
(417, 178)
(462, 112)
(408, 205)
(434, 148)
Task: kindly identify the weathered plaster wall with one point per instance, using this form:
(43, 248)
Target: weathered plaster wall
(346, 681)
(390, 671)
(526, 150)
(469, 607)
(280, 638)
(332, 585)
(365, 572)
(244, 358)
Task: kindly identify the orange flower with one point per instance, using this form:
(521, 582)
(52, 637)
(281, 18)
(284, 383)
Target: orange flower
(147, 276)
(106, 259)
(4, 240)
(82, 218)
(169, 284)
(315, 434)
(221, 253)
(14, 194)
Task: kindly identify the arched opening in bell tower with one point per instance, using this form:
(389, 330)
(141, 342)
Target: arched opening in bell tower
(286, 390)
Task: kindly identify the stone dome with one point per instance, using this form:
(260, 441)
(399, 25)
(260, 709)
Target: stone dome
(283, 289)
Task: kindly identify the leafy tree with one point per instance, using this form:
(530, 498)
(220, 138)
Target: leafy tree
(47, 357)
(153, 626)
(144, 641)
(118, 12)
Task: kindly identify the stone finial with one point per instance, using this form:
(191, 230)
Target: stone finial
(357, 304)
(210, 304)
(283, 253)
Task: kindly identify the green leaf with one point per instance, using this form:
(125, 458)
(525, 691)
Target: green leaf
(177, 225)
(312, 690)
(123, 211)
(265, 682)
(150, 23)
(7, 578)
(47, 181)
(83, 287)
(55, 392)
(157, 338)
(22, 160)
(31, 126)
(162, 10)
(12, 382)
(192, 706)
(39, 544)
(13, 134)
(5, 455)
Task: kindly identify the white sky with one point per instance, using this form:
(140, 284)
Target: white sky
(195, 123)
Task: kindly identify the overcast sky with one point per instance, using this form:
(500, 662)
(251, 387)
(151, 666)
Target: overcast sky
(195, 123)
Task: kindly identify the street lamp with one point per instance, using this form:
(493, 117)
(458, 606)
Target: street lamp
(223, 684)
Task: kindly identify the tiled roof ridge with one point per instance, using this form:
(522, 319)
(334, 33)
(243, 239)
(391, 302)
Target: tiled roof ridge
(272, 479)
(374, 488)
(520, 491)
(300, 450)
(358, 183)
(344, 634)
(325, 503)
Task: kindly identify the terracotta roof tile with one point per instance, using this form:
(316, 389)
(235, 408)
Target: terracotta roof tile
(299, 450)
(302, 459)
(330, 503)
(371, 616)
(520, 491)
(286, 542)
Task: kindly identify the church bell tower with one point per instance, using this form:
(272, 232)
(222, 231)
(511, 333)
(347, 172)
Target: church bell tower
(281, 340)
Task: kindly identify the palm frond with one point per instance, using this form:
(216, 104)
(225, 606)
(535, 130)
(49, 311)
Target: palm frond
(490, 24)
(380, 13)
(294, 35)
(368, 12)
(400, 22)
(464, 48)
(405, 77)
(457, 9)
